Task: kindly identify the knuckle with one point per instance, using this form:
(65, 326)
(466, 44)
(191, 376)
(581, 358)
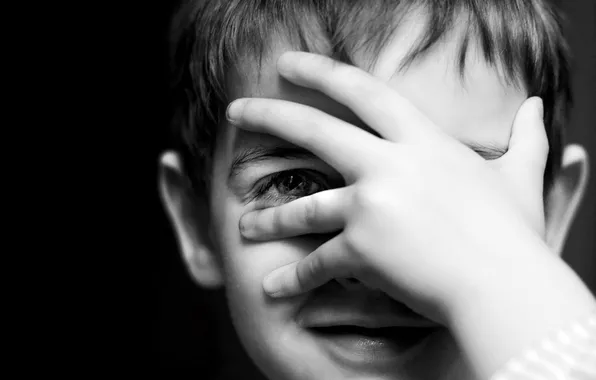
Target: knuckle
(276, 218)
(311, 127)
(310, 211)
(371, 197)
(261, 112)
(250, 109)
(356, 81)
(344, 73)
(311, 122)
(266, 113)
(311, 269)
(355, 240)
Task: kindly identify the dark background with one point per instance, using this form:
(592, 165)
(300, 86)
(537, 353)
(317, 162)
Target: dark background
(189, 329)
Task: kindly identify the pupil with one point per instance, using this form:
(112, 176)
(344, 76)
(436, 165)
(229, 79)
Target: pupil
(291, 182)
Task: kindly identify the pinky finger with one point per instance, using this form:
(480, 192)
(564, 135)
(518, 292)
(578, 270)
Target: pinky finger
(327, 262)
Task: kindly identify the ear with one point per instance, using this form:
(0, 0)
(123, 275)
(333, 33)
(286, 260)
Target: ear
(190, 220)
(565, 196)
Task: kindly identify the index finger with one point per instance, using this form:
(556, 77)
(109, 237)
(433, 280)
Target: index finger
(331, 139)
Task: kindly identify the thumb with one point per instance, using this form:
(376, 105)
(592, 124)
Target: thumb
(525, 161)
(528, 144)
(322, 265)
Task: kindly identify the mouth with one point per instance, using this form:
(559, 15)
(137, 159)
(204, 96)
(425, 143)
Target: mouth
(377, 348)
(367, 331)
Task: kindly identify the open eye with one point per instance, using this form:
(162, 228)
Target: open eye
(288, 185)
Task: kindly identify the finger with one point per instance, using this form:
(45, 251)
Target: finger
(331, 139)
(528, 144)
(325, 263)
(318, 213)
(376, 104)
(525, 161)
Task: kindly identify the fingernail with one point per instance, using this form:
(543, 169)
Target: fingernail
(272, 283)
(234, 111)
(245, 226)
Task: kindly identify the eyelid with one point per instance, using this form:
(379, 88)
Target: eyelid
(243, 183)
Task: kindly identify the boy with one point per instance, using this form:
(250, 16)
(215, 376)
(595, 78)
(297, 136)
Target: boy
(418, 186)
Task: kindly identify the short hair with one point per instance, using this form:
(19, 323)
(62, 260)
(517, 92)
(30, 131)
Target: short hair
(523, 39)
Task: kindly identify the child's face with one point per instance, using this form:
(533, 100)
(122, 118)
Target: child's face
(478, 109)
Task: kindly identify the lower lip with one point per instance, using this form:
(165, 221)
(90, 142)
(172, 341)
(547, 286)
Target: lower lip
(362, 350)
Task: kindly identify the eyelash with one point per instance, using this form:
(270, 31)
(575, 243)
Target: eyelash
(266, 187)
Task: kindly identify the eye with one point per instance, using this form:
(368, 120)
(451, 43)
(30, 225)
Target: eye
(289, 185)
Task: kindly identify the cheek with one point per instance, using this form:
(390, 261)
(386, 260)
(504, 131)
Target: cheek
(247, 263)
(266, 328)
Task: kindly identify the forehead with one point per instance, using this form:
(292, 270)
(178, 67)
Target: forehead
(478, 106)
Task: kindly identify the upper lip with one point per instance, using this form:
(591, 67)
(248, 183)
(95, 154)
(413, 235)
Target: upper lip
(327, 319)
(363, 310)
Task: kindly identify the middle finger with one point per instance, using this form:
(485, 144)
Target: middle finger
(379, 106)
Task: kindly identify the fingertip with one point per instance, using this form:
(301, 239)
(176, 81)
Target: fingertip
(539, 104)
(245, 225)
(528, 121)
(539, 133)
(285, 61)
(273, 283)
(270, 287)
(234, 110)
(532, 108)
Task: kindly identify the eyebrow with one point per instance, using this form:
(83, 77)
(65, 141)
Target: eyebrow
(259, 153)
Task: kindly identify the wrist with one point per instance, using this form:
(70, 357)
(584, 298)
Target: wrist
(569, 352)
(515, 303)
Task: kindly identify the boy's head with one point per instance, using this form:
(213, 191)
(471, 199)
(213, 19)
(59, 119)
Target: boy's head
(467, 64)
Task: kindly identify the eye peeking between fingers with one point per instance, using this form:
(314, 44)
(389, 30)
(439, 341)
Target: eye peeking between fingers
(286, 186)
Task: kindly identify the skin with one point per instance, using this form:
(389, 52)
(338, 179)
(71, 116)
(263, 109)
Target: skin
(482, 109)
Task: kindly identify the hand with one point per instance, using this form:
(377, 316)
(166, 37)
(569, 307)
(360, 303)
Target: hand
(424, 218)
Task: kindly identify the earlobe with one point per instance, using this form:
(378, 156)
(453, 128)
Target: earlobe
(565, 196)
(190, 221)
